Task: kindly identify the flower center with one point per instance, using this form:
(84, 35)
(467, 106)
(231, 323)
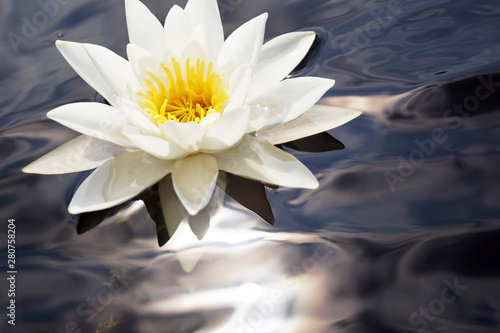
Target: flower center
(184, 95)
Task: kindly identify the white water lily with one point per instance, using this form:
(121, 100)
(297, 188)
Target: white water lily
(188, 103)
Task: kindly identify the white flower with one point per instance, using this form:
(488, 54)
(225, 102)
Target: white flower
(189, 103)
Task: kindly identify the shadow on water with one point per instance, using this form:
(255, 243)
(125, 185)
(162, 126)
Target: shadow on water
(401, 235)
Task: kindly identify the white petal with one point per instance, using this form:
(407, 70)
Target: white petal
(155, 146)
(233, 123)
(117, 181)
(207, 13)
(142, 61)
(256, 159)
(243, 46)
(238, 85)
(200, 223)
(187, 135)
(144, 29)
(172, 208)
(210, 120)
(143, 122)
(77, 57)
(286, 101)
(228, 131)
(178, 29)
(97, 120)
(194, 181)
(115, 70)
(79, 154)
(198, 46)
(317, 119)
(193, 50)
(279, 57)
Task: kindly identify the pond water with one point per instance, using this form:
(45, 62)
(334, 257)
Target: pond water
(401, 236)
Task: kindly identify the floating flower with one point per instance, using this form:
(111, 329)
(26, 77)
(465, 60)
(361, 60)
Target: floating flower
(188, 103)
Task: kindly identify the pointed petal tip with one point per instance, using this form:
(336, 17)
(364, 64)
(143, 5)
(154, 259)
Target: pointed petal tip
(309, 35)
(309, 183)
(347, 112)
(263, 17)
(63, 45)
(37, 169)
(314, 184)
(50, 114)
(327, 82)
(27, 169)
(200, 224)
(194, 180)
(34, 170)
(74, 210)
(200, 236)
(357, 113)
(191, 208)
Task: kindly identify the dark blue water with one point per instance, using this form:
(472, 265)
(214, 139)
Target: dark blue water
(402, 235)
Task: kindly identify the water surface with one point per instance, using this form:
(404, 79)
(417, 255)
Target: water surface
(401, 236)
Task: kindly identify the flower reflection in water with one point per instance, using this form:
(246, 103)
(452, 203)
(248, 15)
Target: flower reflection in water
(236, 285)
(243, 276)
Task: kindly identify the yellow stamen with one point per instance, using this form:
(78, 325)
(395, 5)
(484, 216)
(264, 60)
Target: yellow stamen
(184, 96)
